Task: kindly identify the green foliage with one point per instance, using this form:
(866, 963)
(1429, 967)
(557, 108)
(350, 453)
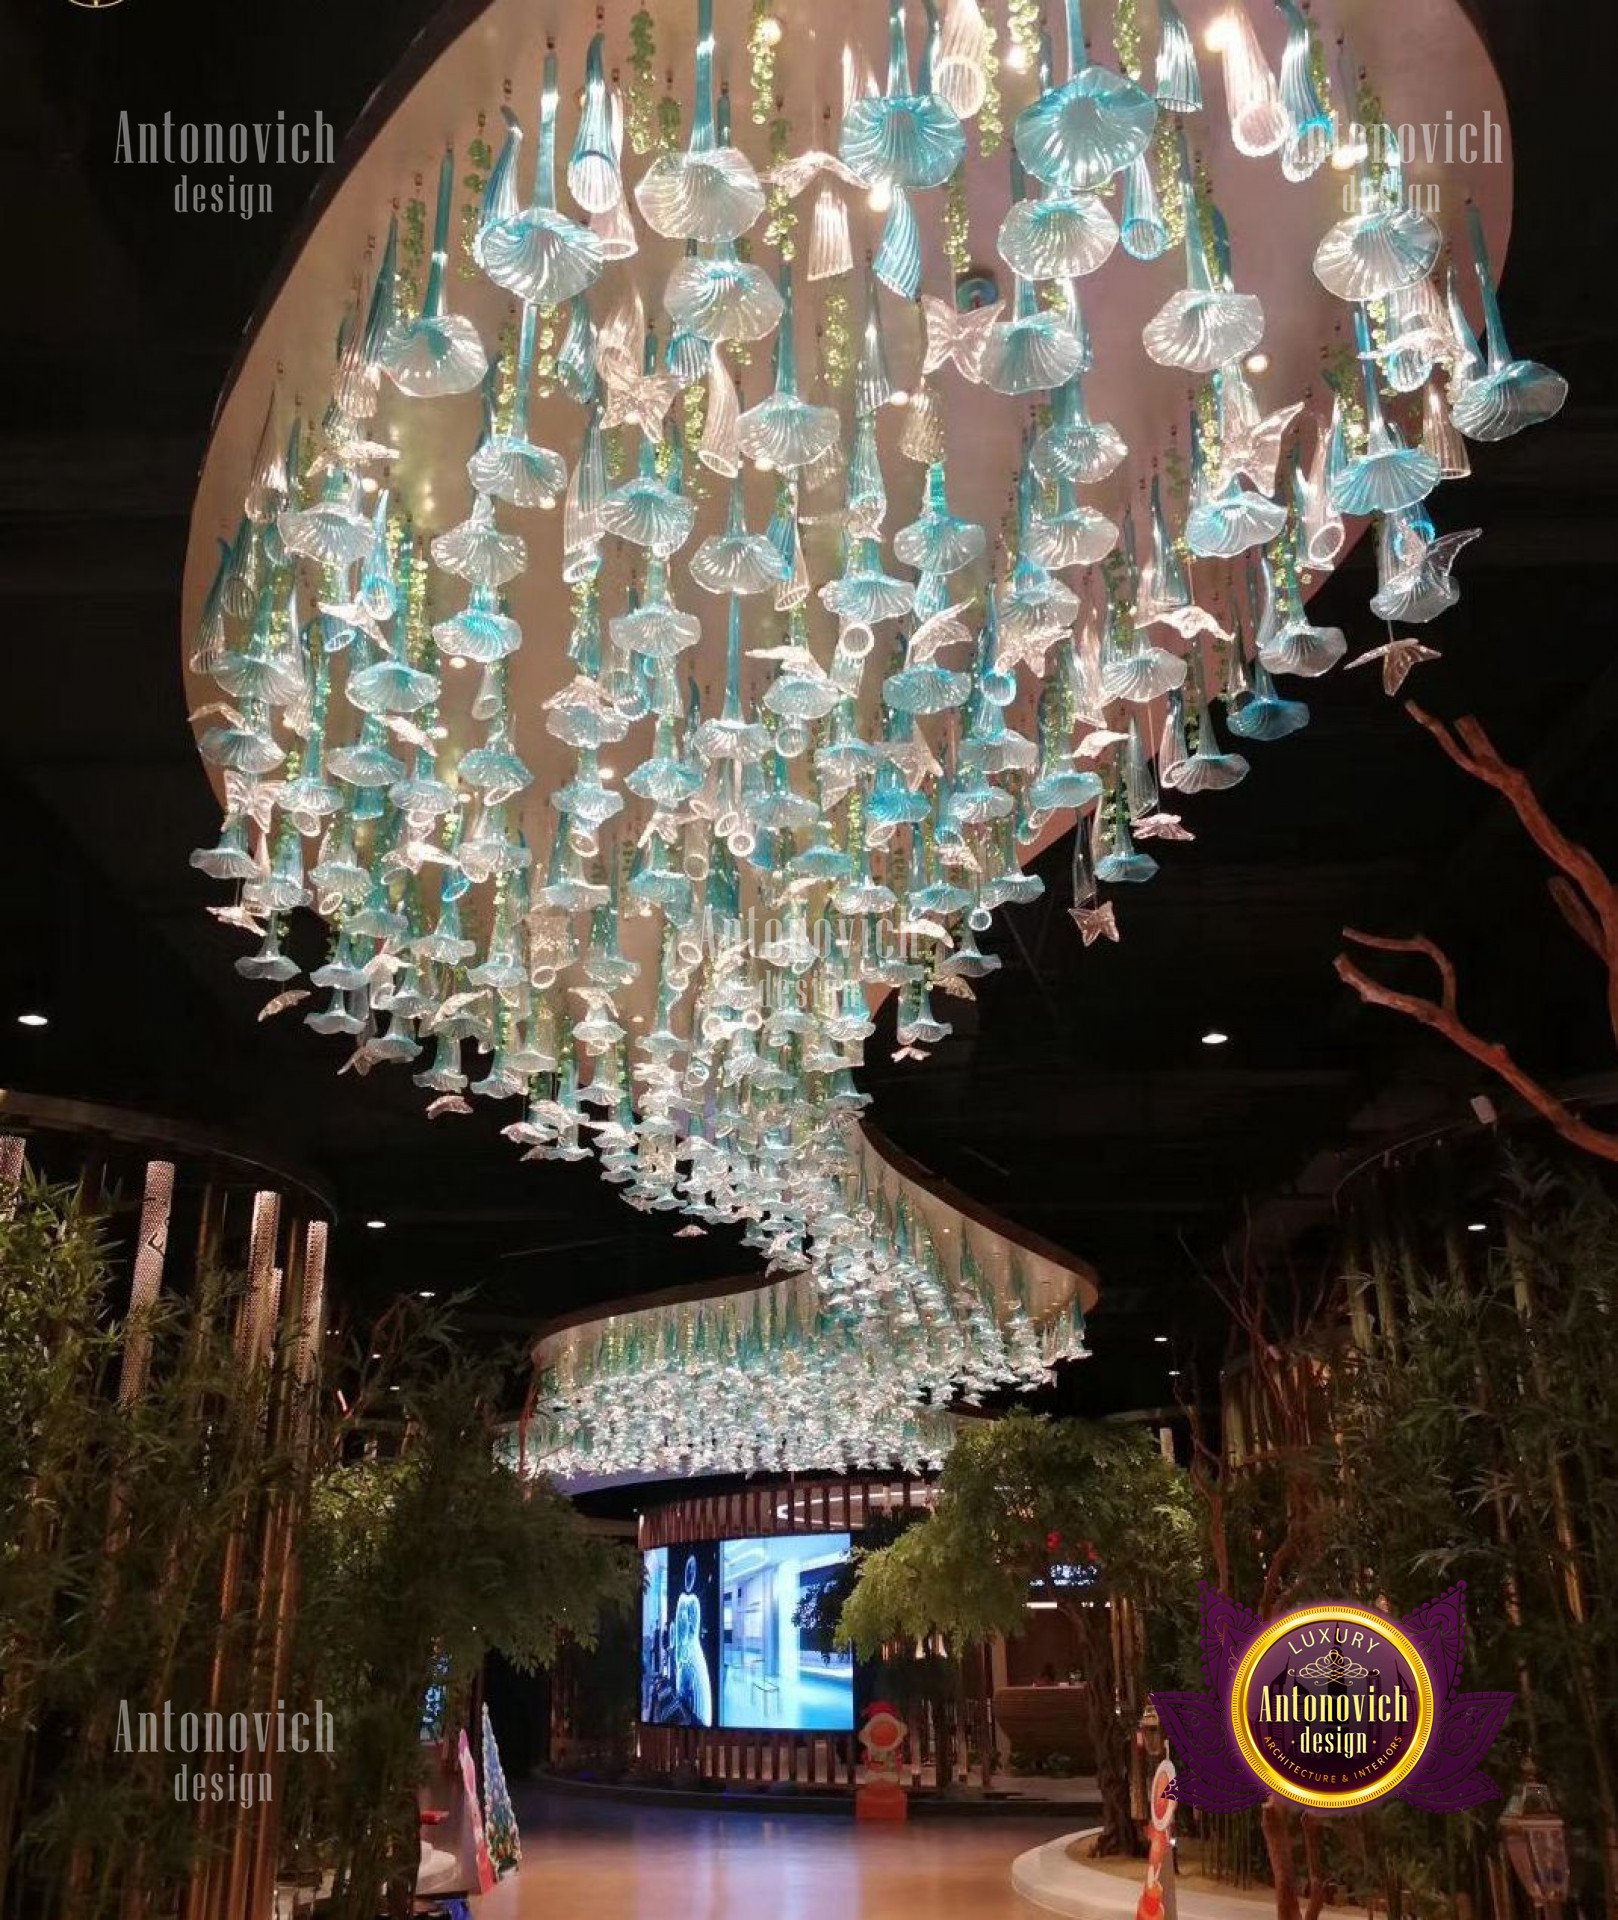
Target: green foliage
(116, 1517)
(1017, 1495)
(819, 1614)
(414, 1567)
(135, 1567)
(1483, 1446)
(1449, 1417)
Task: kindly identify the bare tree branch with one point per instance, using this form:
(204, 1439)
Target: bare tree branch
(1594, 918)
(1575, 911)
(1385, 943)
(1442, 1017)
(1584, 895)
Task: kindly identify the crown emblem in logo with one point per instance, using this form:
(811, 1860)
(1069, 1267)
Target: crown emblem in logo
(1334, 1665)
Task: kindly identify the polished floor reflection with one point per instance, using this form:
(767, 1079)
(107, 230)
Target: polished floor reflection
(596, 1860)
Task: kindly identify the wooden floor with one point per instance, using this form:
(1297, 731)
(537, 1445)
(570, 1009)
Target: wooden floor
(586, 1860)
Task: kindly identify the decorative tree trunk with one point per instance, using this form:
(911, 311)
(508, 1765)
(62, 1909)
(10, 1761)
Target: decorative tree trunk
(1276, 1821)
(1110, 1736)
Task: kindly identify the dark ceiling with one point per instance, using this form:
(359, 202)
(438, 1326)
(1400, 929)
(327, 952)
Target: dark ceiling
(1075, 1096)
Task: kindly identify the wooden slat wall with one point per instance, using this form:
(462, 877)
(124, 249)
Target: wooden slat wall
(788, 1506)
(752, 1759)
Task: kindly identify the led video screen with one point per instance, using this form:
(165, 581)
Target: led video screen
(679, 1636)
(777, 1669)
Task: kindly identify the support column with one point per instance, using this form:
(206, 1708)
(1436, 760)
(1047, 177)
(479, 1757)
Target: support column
(151, 1252)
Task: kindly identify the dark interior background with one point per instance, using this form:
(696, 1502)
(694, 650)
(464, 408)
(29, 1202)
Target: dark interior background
(1075, 1096)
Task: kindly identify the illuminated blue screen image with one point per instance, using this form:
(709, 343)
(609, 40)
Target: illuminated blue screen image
(772, 1675)
(679, 1636)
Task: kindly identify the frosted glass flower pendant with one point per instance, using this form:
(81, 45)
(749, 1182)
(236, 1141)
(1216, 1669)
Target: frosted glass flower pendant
(439, 352)
(1080, 134)
(534, 252)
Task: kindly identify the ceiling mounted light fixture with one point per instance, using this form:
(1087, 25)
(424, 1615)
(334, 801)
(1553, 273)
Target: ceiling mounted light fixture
(855, 662)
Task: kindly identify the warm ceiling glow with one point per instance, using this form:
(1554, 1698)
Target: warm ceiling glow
(906, 810)
(33, 1020)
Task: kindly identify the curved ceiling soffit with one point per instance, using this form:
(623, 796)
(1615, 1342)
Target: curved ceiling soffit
(1015, 1263)
(1426, 54)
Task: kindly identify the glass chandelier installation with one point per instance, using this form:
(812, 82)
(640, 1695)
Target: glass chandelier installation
(805, 718)
(849, 1364)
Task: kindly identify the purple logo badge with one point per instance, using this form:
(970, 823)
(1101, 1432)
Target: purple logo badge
(1333, 1706)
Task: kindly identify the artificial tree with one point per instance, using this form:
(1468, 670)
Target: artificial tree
(416, 1565)
(124, 1576)
(1585, 896)
(1435, 1409)
(1269, 1494)
(1015, 1495)
(125, 1496)
(1483, 1445)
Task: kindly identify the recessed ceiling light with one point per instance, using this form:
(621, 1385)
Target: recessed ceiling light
(1214, 1038)
(426, 1294)
(1160, 1339)
(376, 1226)
(1477, 1226)
(376, 1356)
(33, 1019)
(1174, 1373)
(1257, 363)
